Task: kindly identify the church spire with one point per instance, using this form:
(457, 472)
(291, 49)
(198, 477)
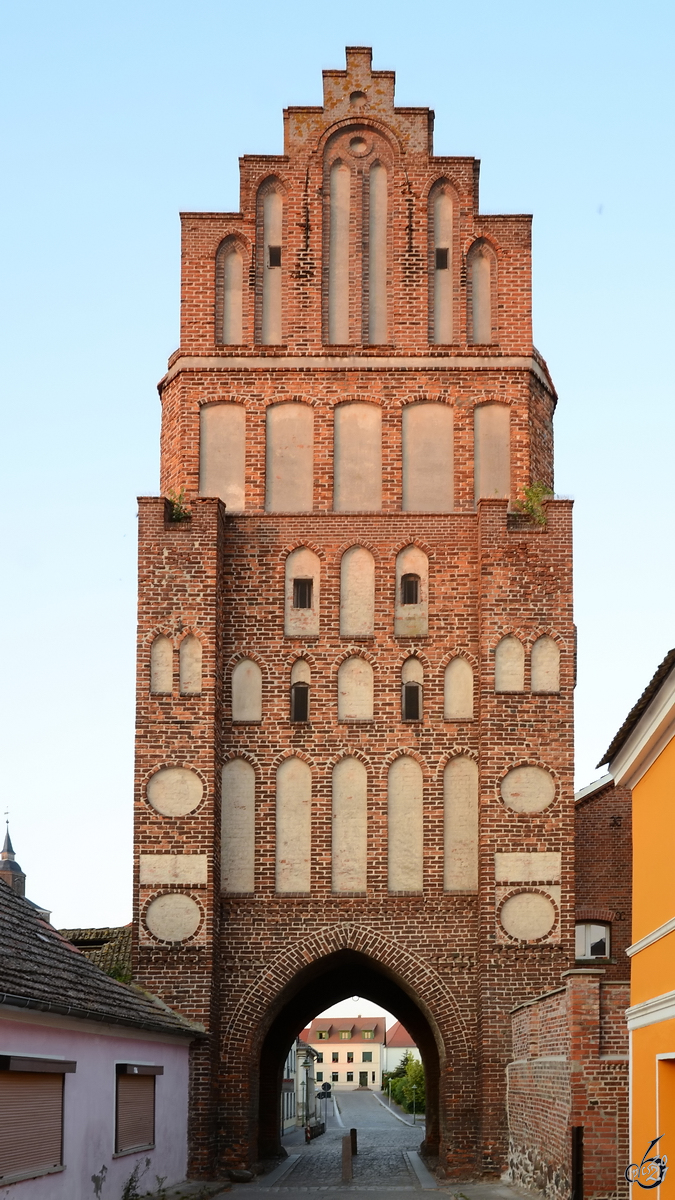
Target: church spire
(10, 871)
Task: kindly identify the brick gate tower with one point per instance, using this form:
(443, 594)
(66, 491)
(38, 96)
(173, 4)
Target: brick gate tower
(356, 659)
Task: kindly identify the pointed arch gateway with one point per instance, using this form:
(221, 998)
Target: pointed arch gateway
(309, 976)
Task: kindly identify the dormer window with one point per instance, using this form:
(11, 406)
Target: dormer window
(322, 1035)
(368, 1034)
(410, 589)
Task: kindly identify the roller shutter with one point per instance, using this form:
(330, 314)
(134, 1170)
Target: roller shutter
(135, 1123)
(31, 1122)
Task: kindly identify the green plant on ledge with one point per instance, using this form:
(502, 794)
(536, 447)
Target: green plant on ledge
(178, 506)
(533, 504)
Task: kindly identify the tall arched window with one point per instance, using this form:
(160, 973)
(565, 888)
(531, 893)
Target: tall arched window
(246, 691)
(355, 690)
(303, 575)
(405, 826)
(357, 593)
(458, 699)
(412, 682)
(492, 451)
(411, 614)
(161, 666)
(545, 665)
(229, 281)
(222, 453)
(509, 665)
(289, 460)
(301, 678)
(338, 254)
(294, 826)
(441, 202)
(190, 655)
(377, 255)
(357, 458)
(350, 826)
(270, 218)
(480, 260)
(428, 458)
(460, 787)
(237, 854)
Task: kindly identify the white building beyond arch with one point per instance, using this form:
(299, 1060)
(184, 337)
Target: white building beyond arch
(294, 826)
(428, 455)
(349, 855)
(405, 826)
(237, 854)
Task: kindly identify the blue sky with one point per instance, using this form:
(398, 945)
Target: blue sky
(119, 115)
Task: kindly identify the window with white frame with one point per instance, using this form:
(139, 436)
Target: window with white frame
(592, 940)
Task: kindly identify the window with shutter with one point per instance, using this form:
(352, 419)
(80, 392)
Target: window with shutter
(31, 1123)
(135, 1107)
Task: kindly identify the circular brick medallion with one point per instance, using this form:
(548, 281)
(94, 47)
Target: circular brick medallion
(527, 916)
(175, 791)
(173, 917)
(528, 789)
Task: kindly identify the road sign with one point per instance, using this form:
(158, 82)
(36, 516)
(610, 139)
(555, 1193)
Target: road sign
(325, 1087)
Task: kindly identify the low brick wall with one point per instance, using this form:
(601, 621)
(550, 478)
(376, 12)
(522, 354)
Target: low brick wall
(570, 1068)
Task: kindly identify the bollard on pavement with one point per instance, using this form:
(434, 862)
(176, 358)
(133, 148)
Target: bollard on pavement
(347, 1170)
(352, 1134)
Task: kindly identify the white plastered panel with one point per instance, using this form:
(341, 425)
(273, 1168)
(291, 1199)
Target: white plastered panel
(528, 789)
(161, 666)
(338, 270)
(545, 665)
(377, 256)
(492, 451)
(349, 826)
(294, 826)
(460, 787)
(412, 620)
(443, 332)
(237, 854)
(222, 454)
(273, 209)
(358, 458)
(357, 593)
(289, 471)
(173, 868)
(190, 666)
(302, 622)
(355, 690)
(481, 304)
(233, 274)
(405, 826)
(246, 691)
(509, 665)
(428, 458)
(458, 692)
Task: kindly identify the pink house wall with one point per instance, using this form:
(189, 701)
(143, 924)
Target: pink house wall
(89, 1104)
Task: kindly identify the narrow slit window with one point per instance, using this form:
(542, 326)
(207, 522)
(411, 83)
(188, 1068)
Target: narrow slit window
(441, 258)
(412, 701)
(274, 259)
(302, 593)
(300, 702)
(410, 589)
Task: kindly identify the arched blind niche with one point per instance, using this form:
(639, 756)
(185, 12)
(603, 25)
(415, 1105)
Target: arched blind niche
(161, 666)
(237, 852)
(481, 268)
(411, 612)
(222, 453)
(460, 787)
(270, 252)
(302, 593)
(492, 451)
(428, 458)
(350, 826)
(377, 254)
(509, 665)
(229, 284)
(289, 463)
(294, 826)
(190, 663)
(458, 697)
(357, 593)
(357, 458)
(441, 224)
(405, 826)
(338, 254)
(545, 665)
(355, 690)
(246, 691)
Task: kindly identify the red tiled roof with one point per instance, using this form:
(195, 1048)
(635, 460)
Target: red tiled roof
(397, 1036)
(333, 1025)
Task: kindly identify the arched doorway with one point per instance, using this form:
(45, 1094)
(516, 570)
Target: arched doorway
(320, 984)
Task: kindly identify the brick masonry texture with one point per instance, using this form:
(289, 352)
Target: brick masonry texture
(603, 869)
(260, 966)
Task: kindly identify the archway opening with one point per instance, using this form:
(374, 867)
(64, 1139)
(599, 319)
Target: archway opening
(325, 982)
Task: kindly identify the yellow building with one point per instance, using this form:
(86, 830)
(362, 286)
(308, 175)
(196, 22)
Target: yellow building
(642, 757)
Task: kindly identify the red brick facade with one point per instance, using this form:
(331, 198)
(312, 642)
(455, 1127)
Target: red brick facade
(258, 966)
(603, 855)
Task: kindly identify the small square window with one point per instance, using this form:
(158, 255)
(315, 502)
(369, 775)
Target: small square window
(592, 941)
(319, 1077)
(335, 1077)
(319, 1056)
(350, 1076)
(335, 1057)
(441, 258)
(367, 1056)
(302, 593)
(350, 1056)
(412, 695)
(274, 253)
(410, 589)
